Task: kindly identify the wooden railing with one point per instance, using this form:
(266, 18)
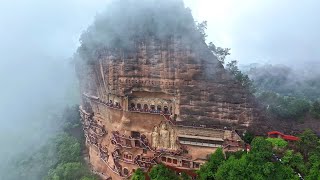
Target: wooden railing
(116, 138)
(98, 100)
(150, 111)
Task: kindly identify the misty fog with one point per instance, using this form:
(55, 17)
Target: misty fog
(36, 72)
(267, 31)
(38, 39)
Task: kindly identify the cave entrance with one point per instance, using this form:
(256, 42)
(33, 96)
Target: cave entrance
(166, 110)
(133, 105)
(135, 134)
(185, 164)
(137, 143)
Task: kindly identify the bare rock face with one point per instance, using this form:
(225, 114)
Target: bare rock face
(202, 91)
(165, 102)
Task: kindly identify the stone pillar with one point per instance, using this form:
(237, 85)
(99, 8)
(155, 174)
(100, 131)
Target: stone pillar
(155, 137)
(173, 107)
(164, 137)
(125, 103)
(177, 105)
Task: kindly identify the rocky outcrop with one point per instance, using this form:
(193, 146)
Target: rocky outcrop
(156, 94)
(203, 91)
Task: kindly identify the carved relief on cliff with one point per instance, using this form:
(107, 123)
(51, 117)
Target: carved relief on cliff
(199, 96)
(164, 137)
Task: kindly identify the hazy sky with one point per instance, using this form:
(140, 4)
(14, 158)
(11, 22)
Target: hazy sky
(36, 36)
(276, 31)
(256, 30)
(35, 33)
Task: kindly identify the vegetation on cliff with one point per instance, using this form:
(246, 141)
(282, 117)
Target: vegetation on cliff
(286, 81)
(264, 162)
(138, 175)
(268, 159)
(160, 172)
(285, 107)
(286, 93)
(69, 145)
(60, 158)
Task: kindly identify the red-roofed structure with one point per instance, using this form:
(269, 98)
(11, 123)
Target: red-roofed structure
(277, 134)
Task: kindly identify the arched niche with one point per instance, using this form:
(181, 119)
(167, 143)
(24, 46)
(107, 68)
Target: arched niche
(125, 171)
(132, 106)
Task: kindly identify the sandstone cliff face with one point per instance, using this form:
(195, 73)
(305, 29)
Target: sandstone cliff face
(203, 92)
(154, 93)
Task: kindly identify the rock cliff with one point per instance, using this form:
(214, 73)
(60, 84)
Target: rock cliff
(204, 92)
(154, 93)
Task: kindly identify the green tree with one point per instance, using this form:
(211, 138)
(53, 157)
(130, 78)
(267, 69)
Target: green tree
(160, 172)
(278, 142)
(295, 161)
(261, 148)
(237, 154)
(67, 171)
(282, 171)
(138, 175)
(257, 164)
(248, 137)
(258, 159)
(243, 79)
(308, 142)
(68, 148)
(201, 28)
(71, 117)
(315, 110)
(209, 168)
(35, 166)
(314, 172)
(261, 165)
(285, 107)
(249, 168)
(285, 81)
(232, 169)
(59, 158)
(220, 52)
(184, 176)
(89, 178)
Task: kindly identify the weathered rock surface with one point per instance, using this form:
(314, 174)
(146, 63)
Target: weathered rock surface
(204, 93)
(162, 101)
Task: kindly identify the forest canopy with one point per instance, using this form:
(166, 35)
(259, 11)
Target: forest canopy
(285, 92)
